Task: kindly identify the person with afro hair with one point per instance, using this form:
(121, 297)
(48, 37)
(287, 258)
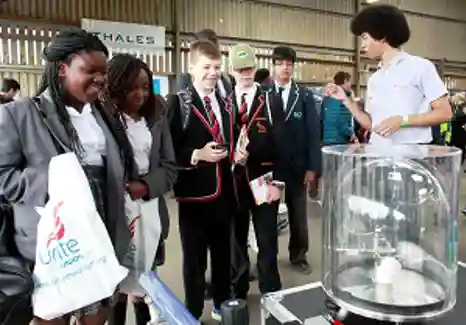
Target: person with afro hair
(405, 96)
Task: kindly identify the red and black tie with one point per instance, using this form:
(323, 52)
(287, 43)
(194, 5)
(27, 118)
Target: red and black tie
(243, 109)
(214, 125)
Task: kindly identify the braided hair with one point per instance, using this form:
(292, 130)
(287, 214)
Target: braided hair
(123, 70)
(63, 48)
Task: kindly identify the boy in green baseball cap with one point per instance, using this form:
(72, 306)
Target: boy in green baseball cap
(255, 157)
(243, 64)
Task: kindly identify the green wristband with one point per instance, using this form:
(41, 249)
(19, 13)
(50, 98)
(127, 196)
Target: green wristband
(405, 121)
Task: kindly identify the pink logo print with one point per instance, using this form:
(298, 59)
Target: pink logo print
(59, 230)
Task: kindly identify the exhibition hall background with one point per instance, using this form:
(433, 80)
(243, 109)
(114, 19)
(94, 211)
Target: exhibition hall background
(317, 29)
(159, 31)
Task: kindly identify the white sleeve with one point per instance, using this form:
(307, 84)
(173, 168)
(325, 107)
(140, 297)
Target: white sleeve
(368, 101)
(430, 82)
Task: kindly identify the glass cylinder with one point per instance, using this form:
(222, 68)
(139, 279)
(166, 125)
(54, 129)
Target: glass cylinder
(390, 229)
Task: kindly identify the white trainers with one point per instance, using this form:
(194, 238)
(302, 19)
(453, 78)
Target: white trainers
(282, 208)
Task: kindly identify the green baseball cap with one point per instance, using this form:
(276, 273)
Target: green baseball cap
(242, 57)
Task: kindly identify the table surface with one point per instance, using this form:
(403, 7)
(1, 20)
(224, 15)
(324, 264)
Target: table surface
(308, 301)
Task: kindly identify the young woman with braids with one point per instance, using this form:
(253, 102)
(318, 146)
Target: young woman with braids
(66, 107)
(129, 98)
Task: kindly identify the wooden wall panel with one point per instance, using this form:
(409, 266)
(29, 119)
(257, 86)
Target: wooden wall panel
(438, 27)
(267, 22)
(136, 11)
(451, 9)
(21, 46)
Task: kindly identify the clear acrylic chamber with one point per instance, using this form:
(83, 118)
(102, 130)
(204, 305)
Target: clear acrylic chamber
(390, 229)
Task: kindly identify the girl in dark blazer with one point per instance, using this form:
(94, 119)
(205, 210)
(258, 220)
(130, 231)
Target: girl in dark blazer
(129, 98)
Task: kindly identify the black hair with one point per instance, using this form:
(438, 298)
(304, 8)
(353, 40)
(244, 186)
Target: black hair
(10, 84)
(261, 75)
(283, 53)
(340, 77)
(382, 22)
(63, 48)
(123, 70)
(207, 35)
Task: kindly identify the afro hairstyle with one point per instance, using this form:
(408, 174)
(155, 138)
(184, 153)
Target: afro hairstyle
(382, 22)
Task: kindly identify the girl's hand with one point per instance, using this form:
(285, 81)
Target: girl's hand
(137, 189)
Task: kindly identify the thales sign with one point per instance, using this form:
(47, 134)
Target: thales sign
(126, 36)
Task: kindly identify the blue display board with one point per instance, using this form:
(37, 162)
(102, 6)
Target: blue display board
(161, 86)
(157, 86)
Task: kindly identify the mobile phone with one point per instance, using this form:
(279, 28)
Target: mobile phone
(220, 146)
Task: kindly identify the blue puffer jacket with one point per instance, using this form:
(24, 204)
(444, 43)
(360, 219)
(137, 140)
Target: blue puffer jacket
(337, 122)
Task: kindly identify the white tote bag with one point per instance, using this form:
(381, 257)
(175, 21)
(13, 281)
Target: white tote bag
(144, 223)
(75, 260)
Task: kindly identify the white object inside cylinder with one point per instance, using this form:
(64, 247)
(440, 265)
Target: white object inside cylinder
(387, 270)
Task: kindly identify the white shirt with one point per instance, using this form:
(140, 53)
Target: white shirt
(90, 135)
(215, 105)
(140, 138)
(221, 88)
(285, 93)
(250, 94)
(407, 85)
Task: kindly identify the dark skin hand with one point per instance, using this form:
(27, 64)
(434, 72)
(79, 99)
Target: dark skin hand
(137, 189)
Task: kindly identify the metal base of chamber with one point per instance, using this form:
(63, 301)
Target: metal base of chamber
(416, 295)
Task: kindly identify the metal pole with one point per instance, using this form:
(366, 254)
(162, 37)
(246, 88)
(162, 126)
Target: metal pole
(357, 54)
(441, 68)
(176, 41)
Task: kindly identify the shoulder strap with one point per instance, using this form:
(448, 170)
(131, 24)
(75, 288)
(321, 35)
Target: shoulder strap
(266, 94)
(184, 102)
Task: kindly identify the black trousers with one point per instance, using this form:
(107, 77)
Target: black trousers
(264, 219)
(118, 313)
(296, 202)
(19, 313)
(206, 226)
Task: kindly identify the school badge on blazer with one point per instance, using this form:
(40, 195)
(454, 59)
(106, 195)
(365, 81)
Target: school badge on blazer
(261, 127)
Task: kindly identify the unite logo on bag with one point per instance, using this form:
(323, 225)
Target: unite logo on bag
(61, 250)
(130, 254)
(132, 225)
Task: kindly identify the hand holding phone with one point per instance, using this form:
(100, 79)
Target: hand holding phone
(212, 152)
(220, 146)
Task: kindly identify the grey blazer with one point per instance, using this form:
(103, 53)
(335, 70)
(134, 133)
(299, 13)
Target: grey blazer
(26, 148)
(162, 173)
